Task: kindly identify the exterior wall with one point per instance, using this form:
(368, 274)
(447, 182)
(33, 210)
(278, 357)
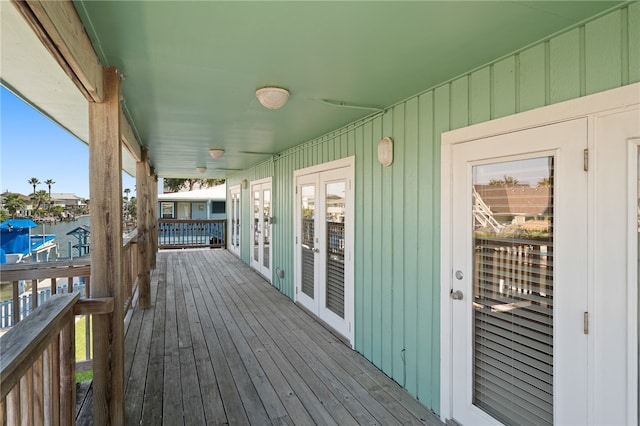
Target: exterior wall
(397, 218)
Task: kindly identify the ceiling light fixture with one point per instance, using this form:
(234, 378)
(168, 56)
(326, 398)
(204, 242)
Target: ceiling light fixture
(216, 152)
(272, 97)
(201, 169)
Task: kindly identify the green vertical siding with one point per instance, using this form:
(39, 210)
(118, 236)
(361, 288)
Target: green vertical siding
(397, 211)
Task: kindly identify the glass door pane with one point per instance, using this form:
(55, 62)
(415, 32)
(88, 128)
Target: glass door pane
(513, 290)
(256, 225)
(266, 226)
(307, 245)
(334, 215)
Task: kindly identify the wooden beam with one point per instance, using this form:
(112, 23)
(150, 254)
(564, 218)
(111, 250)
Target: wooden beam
(59, 28)
(129, 139)
(105, 187)
(94, 306)
(142, 190)
(39, 271)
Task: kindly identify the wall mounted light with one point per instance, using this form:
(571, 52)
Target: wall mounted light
(216, 152)
(385, 151)
(201, 169)
(244, 184)
(272, 97)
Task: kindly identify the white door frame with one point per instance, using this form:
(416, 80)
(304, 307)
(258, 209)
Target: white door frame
(589, 107)
(349, 301)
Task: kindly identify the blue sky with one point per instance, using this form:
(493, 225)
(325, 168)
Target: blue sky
(31, 145)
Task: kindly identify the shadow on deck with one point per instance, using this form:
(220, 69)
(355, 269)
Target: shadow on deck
(222, 346)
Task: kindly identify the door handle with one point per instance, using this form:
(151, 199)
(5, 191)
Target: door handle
(456, 295)
(316, 250)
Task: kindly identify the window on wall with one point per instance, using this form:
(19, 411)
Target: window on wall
(167, 210)
(217, 207)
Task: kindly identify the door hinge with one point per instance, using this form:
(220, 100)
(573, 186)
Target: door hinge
(296, 290)
(296, 240)
(296, 190)
(586, 322)
(586, 160)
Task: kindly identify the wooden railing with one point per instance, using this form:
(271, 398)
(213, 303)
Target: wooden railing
(130, 267)
(37, 362)
(177, 233)
(65, 277)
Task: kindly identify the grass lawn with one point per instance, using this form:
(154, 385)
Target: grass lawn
(81, 352)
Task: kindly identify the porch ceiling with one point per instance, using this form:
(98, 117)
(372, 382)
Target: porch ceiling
(192, 68)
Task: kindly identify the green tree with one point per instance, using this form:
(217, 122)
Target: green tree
(505, 181)
(34, 182)
(13, 203)
(4, 215)
(132, 208)
(545, 182)
(39, 197)
(175, 185)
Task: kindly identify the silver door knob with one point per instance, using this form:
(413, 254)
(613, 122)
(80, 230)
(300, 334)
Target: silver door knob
(459, 275)
(456, 295)
(316, 250)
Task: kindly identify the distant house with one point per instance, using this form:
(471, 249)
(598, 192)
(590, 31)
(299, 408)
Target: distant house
(207, 203)
(26, 209)
(68, 201)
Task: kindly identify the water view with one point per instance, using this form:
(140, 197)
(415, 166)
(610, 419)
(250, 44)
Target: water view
(60, 229)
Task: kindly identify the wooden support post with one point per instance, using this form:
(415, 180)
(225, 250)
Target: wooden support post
(151, 191)
(105, 172)
(155, 220)
(142, 189)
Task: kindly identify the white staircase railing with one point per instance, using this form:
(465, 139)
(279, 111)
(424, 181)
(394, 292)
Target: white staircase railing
(482, 214)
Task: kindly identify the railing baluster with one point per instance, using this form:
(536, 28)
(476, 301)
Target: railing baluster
(38, 391)
(16, 304)
(67, 371)
(13, 406)
(55, 379)
(26, 398)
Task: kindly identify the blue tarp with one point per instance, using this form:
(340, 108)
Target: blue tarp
(11, 224)
(14, 235)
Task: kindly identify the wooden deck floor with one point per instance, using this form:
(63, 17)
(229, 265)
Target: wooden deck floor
(222, 346)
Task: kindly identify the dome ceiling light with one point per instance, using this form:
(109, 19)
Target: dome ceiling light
(216, 152)
(272, 97)
(201, 169)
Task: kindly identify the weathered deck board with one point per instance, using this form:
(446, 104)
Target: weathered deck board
(221, 346)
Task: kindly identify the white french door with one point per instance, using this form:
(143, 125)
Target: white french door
(324, 244)
(261, 241)
(234, 220)
(519, 274)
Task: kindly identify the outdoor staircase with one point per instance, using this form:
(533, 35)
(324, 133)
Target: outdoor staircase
(482, 214)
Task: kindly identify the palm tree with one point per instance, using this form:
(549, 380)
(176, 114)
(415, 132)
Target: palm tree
(126, 193)
(39, 197)
(34, 181)
(49, 183)
(13, 203)
(545, 182)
